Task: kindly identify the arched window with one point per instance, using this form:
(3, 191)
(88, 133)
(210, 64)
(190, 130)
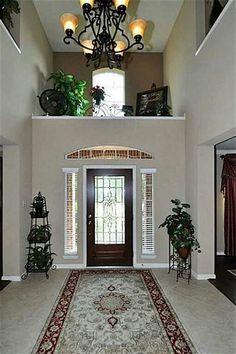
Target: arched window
(113, 81)
(109, 152)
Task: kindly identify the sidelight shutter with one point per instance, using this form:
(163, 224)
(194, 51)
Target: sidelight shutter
(71, 211)
(148, 242)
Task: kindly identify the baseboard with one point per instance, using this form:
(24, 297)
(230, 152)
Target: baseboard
(151, 265)
(203, 276)
(220, 253)
(69, 266)
(137, 265)
(11, 277)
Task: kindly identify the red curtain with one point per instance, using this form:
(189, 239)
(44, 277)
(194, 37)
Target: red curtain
(228, 187)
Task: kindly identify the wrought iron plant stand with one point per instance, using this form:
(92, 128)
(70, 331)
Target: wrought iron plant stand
(39, 259)
(182, 266)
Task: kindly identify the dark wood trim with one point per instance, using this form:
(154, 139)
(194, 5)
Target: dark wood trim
(215, 204)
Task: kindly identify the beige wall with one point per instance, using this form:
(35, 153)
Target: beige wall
(203, 87)
(141, 70)
(22, 78)
(52, 139)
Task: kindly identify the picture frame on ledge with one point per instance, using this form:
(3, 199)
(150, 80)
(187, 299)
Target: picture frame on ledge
(147, 101)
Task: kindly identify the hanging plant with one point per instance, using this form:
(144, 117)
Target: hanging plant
(7, 8)
(73, 89)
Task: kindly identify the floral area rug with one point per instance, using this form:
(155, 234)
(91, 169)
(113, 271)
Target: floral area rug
(112, 312)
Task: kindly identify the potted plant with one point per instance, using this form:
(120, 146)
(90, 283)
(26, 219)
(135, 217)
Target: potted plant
(39, 233)
(163, 110)
(98, 94)
(40, 258)
(7, 8)
(181, 230)
(73, 89)
(38, 205)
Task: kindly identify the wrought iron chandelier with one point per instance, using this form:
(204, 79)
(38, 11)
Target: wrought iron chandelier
(103, 21)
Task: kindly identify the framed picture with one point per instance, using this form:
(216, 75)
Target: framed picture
(147, 101)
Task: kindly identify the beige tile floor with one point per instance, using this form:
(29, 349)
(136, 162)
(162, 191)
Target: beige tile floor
(208, 316)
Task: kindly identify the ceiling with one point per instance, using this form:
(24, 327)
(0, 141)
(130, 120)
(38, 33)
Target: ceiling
(159, 14)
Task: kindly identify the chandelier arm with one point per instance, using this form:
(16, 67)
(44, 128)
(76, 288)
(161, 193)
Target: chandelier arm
(68, 39)
(140, 45)
(92, 20)
(127, 41)
(117, 25)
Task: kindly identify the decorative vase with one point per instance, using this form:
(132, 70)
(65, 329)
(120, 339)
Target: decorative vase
(184, 252)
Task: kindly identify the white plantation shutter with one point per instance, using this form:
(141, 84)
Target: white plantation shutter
(71, 211)
(148, 239)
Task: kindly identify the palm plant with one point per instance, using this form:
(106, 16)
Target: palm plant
(40, 257)
(39, 233)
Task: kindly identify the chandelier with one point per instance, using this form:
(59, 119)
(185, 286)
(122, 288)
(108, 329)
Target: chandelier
(103, 23)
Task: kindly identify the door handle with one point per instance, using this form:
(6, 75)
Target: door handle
(90, 216)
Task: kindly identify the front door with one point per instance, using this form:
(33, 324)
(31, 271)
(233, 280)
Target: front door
(109, 217)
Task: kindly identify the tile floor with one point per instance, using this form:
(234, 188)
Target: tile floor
(207, 315)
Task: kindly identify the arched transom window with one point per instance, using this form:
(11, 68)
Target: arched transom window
(108, 152)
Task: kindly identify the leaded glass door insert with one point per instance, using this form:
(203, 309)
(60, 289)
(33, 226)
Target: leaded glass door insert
(109, 210)
(109, 217)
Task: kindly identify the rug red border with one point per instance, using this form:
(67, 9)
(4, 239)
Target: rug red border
(179, 340)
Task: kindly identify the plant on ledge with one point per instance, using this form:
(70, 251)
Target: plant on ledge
(180, 229)
(73, 89)
(163, 110)
(98, 94)
(7, 8)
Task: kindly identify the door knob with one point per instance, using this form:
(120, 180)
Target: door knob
(90, 216)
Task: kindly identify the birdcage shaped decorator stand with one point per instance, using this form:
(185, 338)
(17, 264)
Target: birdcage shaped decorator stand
(39, 258)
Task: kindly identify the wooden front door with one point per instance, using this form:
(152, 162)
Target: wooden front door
(109, 217)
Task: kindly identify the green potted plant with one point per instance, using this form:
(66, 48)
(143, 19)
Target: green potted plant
(73, 89)
(40, 257)
(181, 230)
(39, 233)
(98, 94)
(163, 110)
(7, 8)
(38, 205)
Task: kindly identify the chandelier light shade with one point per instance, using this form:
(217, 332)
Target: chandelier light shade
(87, 46)
(119, 49)
(137, 27)
(69, 23)
(86, 3)
(118, 3)
(103, 34)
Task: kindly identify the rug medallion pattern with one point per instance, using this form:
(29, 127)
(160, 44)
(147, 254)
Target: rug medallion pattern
(112, 312)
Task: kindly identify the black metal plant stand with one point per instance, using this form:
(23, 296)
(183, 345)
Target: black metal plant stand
(39, 259)
(183, 267)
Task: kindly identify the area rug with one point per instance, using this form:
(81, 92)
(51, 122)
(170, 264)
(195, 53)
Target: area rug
(232, 271)
(112, 312)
